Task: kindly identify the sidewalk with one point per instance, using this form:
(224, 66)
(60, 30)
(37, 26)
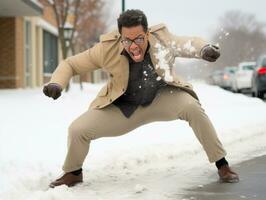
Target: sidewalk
(252, 184)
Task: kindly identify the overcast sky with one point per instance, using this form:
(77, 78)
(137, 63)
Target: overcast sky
(190, 17)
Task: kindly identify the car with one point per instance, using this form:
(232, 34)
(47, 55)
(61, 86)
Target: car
(227, 77)
(258, 88)
(216, 77)
(242, 77)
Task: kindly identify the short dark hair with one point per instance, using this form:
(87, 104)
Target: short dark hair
(133, 17)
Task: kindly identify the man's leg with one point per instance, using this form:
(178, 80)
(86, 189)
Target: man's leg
(93, 124)
(172, 103)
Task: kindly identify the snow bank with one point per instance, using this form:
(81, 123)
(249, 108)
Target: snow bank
(154, 161)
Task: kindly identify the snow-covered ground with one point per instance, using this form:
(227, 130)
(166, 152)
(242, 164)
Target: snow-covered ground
(153, 162)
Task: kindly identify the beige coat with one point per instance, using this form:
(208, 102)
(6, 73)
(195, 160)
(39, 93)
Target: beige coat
(106, 54)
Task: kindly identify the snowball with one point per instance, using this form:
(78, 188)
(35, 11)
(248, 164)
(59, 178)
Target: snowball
(140, 188)
(189, 47)
(161, 55)
(158, 78)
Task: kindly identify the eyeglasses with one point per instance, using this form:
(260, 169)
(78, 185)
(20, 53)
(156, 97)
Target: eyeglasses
(128, 42)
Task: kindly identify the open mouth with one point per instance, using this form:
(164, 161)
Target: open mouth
(136, 55)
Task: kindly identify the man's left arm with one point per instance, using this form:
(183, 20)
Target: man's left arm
(194, 47)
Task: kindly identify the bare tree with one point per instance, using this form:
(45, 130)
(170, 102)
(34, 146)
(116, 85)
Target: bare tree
(62, 10)
(240, 37)
(90, 25)
(85, 18)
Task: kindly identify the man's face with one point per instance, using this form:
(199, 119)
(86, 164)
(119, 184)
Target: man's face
(135, 42)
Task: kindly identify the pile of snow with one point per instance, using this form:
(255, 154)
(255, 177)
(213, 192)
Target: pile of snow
(155, 161)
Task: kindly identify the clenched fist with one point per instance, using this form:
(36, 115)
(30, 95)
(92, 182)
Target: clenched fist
(210, 53)
(52, 90)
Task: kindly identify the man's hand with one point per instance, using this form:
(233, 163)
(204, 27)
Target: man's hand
(52, 90)
(210, 53)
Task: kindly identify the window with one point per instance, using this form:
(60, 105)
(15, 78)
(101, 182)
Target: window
(264, 62)
(50, 52)
(28, 54)
(248, 67)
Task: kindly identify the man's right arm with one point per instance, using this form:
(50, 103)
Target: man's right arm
(86, 61)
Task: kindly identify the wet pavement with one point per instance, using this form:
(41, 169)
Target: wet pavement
(252, 184)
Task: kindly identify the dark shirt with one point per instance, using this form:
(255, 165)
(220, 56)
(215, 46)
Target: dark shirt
(143, 84)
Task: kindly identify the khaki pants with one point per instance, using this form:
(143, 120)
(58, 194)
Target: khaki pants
(170, 103)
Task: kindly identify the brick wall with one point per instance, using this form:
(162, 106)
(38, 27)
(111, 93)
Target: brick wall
(7, 53)
(48, 13)
(11, 52)
(19, 52)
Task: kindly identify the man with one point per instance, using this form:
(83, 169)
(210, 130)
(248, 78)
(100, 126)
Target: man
(141, 89)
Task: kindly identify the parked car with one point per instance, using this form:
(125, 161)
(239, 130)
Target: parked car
(216, 77)
(243, 76)
(259, 78)
(227, 77)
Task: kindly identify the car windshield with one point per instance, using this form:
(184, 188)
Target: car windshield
(264, 62)
(230, 70)
(248, 67)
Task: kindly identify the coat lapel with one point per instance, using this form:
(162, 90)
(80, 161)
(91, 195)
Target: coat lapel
(124, 68)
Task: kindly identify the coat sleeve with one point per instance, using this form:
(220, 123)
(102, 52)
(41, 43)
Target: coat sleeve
(189, 47)
(83, 62)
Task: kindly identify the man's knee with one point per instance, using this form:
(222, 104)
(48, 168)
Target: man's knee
(77, 131)
(191, 108)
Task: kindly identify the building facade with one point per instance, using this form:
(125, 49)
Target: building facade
(29, 44)
(29, 48)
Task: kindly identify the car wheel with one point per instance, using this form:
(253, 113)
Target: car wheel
(257, 93)
(260, 94)
(254, 91)
(253, 94)
(236, 88)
